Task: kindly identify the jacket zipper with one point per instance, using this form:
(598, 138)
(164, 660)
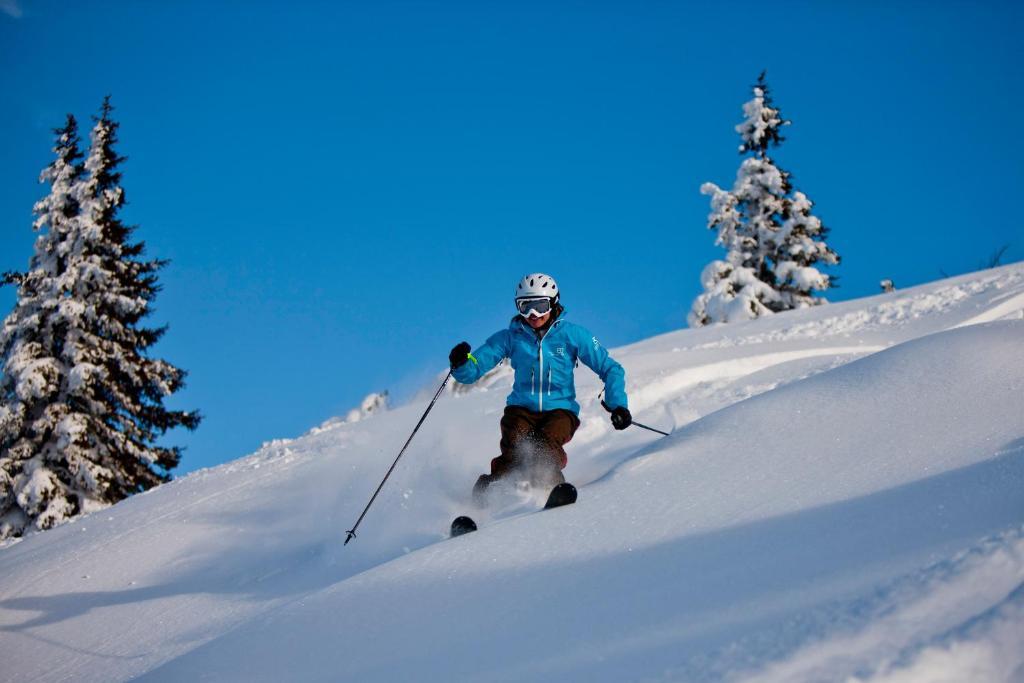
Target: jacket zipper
(540, 359)
(540, 355)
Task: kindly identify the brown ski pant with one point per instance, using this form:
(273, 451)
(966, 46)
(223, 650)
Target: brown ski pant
(532, 446)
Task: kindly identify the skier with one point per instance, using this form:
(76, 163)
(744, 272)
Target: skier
(541, 414)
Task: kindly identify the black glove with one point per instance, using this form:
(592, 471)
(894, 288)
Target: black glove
(459, 355)
(621, 418)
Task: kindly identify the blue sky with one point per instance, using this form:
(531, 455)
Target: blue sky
(346, 190)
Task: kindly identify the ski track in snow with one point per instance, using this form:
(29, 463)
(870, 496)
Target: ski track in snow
(909, 630)
(886, 546)
(721, 372)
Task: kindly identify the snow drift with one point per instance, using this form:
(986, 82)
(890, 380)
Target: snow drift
(840, 499)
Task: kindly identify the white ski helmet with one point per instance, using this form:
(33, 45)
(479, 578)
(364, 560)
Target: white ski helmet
(536, 285)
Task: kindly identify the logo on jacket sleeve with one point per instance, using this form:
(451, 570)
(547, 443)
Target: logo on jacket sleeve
(560, 351)
(597, 344)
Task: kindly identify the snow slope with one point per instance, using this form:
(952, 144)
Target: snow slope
(842, 498)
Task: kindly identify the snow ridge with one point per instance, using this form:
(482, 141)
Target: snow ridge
(839, 500)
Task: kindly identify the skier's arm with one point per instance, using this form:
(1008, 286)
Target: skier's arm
(483, 358)
(596, 357)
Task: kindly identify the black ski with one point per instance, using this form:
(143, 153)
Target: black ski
(563, 494)
(462, 525)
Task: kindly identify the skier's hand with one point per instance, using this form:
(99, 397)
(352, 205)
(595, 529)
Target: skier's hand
(621, 418)
(459, 355)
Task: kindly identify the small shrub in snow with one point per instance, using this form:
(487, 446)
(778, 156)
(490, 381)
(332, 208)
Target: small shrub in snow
(371, 405)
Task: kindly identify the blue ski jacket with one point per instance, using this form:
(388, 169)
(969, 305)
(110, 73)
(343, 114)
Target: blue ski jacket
(544, 366)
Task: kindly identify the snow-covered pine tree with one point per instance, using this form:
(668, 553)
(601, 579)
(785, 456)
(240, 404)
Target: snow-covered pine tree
(33, 373)
(772, 239)
(118, 285)
(81, 401)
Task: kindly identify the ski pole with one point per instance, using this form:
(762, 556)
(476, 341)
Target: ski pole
(652, 429)
(634, 423)
(352, 532)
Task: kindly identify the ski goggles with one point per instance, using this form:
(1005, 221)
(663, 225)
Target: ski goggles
(535, 307)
